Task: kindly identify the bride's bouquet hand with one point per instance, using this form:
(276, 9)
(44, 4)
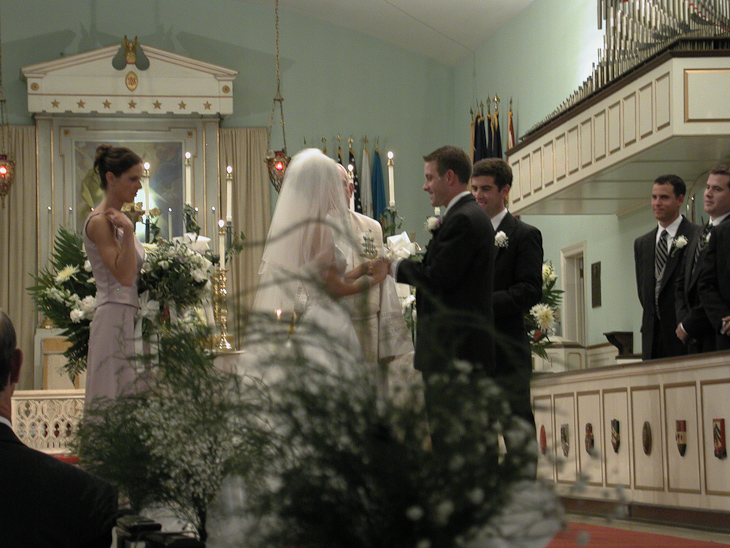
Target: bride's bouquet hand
(378, 269)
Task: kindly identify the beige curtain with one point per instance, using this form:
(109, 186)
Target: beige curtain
(18, 241)
(244, 150)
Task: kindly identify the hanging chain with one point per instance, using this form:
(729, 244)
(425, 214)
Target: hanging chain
(278, 98)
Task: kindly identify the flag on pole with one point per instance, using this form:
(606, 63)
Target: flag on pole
(366, 189)
(480, 138)
(510, 128)
(339, 155)
(378, 186)
(355, 180)
(497, 138)
(490, 132)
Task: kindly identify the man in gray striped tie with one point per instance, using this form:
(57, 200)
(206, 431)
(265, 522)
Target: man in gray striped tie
(657, 255)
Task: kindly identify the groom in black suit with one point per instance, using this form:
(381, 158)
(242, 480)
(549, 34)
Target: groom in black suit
(517, 282)
(44, 503)
(658, 257)
(453, 283)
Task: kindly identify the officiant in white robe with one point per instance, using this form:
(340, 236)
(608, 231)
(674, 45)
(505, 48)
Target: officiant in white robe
(376, 314)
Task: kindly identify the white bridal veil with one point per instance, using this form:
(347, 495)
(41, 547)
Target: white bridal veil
(311, 216)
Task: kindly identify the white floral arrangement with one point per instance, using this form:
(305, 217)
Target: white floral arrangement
(174, 277)
(540, 320)
(501, 239)
(433, 223)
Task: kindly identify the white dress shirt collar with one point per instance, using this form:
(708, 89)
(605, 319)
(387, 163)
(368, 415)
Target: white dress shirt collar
(3, 420)
(717, 220)
(455, 199)
(671, 229)
(498, 218)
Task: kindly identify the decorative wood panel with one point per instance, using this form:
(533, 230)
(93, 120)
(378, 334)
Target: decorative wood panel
(564, 416)
(561, 167)
(663, 101)
(589, 424)
(646, 408)
(680, 404)
(543, 410)
(526, 172)
(715, 405)
(614, 127)
(599, 135)
(707, 95)
(573, 151)
(548, 164)
(629, 119)
(536, 165)
(646, 112)
(616, 461)
(586, 142)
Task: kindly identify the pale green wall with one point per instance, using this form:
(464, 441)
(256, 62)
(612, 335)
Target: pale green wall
(539, 59)
(334, 81)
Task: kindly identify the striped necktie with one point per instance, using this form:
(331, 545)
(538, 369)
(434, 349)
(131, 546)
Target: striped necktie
(662, 251)
(702, 243)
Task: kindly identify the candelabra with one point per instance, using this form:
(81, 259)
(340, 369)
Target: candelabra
(220, 309)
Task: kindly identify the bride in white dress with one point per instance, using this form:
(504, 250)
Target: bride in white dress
(303, 270)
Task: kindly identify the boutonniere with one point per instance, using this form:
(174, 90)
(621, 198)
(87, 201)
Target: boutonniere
(501, 239)
(678, 243)
(433, 223)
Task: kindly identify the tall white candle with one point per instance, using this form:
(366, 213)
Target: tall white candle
(188, 178)
(222, 243)
(215, 227)
(391, 177)
(351, 180)
(169, 223)
(229, 193)
(146, 184)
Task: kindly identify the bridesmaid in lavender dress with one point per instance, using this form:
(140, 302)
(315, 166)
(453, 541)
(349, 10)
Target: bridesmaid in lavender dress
(116, 257)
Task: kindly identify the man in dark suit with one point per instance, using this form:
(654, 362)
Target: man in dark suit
(694, 327)
(44, 502)
(714, 282)
(657, 256)
(517, 283)
(453, 283)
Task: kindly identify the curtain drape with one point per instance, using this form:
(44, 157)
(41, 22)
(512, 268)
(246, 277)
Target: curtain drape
(244, 150)
(18, 241)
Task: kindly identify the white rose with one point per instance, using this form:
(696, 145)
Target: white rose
(501, 239)
(76, 315)
(680, 242)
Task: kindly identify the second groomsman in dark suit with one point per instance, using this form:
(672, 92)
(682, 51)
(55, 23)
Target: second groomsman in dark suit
(453, 284)
(657, 256)
(694, 325)
(517, 282)
(714, 282)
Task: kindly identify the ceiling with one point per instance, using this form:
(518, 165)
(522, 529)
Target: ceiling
(447, 31)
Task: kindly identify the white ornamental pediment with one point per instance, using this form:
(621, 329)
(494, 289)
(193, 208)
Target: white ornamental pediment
(88, 83)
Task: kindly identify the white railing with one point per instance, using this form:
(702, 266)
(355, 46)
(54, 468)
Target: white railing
(46, 419)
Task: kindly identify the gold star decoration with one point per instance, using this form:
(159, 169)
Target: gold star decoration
(107, 104)
(81, 104)
(207, 105)
(132, 104)
(157, 104)
(181, 104)
(54, 103)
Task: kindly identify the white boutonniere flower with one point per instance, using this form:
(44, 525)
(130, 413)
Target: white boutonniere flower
(678, 243)
(501, 239)
(433, 223)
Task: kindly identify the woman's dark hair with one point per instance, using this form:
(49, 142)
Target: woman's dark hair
(116, 160)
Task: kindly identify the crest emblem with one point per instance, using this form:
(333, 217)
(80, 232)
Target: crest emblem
(589, 440)
(681, 436)
(368, 246)
(543, 440)
(718, 436)
(646, 437)
(615, 434)
(565, 438)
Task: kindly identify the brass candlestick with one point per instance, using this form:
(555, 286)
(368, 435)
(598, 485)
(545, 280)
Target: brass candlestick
(220, 310)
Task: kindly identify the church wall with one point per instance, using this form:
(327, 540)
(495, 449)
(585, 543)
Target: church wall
(334, 81)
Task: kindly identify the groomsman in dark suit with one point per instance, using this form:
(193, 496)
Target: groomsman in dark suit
(453, 283)
(714, 282)
(694, 327)
(44, 503)
(517, 282)
(657, 256)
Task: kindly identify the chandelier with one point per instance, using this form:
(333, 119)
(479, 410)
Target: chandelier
(276, 161)
(6, 166)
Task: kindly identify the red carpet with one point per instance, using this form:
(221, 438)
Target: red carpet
(596, 536)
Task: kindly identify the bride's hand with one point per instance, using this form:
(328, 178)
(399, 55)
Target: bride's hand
(378, 269)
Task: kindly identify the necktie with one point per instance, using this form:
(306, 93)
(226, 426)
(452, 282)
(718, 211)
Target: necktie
(702, 243)
(662, 251)
(660, 259)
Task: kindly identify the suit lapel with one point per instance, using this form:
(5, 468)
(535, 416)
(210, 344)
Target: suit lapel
(674, 254)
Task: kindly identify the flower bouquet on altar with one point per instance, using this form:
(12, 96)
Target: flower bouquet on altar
(540, 320)
(65, 292)
(174, 280)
